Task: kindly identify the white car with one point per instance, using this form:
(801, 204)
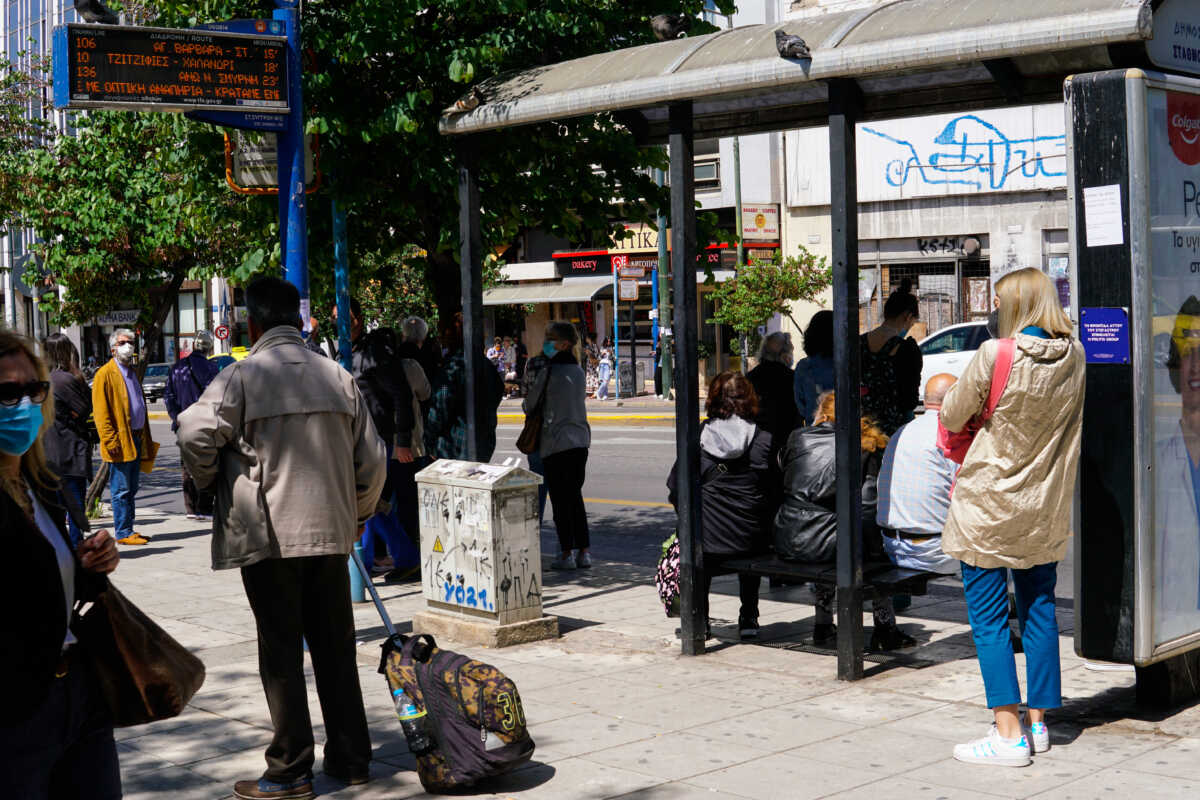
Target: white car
(950, 349)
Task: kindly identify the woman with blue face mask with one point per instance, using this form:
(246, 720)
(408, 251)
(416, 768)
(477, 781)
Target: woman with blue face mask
(559, 388)
(56, 738)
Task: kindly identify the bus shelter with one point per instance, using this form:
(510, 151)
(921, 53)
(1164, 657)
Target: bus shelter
(894, 58)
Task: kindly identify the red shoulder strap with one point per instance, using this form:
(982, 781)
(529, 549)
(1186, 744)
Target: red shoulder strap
(1000, 371)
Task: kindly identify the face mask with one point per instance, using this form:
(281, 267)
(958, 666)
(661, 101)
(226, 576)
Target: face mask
(549, 349)
(125, 353)
(19, 426)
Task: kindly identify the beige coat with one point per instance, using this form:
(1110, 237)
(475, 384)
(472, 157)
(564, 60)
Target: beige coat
(288, 441)
(1012, 502)
(421, 392)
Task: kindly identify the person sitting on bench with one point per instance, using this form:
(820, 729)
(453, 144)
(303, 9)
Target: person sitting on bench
(806, 524)
(914, 489)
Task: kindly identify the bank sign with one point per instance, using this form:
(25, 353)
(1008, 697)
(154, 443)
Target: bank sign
(975, 152)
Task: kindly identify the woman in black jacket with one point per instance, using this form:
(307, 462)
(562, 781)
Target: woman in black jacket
(68, 442)
(56, 736)
(806, 525)
(736, 495)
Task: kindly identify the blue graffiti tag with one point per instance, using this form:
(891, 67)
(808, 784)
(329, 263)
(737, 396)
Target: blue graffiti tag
(463, 595)
(978, 155)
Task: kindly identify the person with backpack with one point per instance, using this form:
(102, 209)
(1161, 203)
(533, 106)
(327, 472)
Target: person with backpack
(558, 390)
(190, 376)
(737, 495)
(891, 363)
(1012, 505)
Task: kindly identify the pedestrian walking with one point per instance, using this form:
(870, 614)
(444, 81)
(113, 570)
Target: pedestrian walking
(1011, 508)
(68, 442)
(446, 420)
(189, 377)
(604, 373)
(119, 409)
(806, 524)
(774, 385)
(814, 372)
(737, 493)
(891, 363)
(559, 390)
(56, 733)
(286, 439)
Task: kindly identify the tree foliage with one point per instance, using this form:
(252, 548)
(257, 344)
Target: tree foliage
(128, 208)
(763, 289)
(379, 73)
(21, 86)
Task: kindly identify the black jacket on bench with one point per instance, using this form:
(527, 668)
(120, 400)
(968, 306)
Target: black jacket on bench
(737, 499)
(806, 524)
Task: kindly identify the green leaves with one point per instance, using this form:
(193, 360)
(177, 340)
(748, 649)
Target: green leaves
(763, 289)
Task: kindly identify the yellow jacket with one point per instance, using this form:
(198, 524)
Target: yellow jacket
(110, 408)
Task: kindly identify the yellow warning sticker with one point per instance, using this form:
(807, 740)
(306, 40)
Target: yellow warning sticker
(437, 545)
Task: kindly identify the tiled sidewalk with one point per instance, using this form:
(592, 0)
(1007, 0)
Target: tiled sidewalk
(616, 712)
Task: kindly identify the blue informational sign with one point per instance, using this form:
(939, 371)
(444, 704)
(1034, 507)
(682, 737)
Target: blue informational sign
(1105, 335)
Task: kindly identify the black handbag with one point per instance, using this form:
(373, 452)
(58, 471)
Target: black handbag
(143, 673)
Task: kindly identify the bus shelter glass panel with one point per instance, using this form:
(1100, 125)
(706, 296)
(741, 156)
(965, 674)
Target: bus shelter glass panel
(1173, 134)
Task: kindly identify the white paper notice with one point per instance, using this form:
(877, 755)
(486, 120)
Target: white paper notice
(1102, 215)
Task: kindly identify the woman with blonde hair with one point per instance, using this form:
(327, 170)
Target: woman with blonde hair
(56, 736)
(1011, 508)
(806, 524)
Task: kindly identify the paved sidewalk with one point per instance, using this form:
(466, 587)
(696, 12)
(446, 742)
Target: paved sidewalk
(616, 712)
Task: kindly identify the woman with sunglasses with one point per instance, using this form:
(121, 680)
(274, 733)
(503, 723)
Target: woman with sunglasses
(56, 738)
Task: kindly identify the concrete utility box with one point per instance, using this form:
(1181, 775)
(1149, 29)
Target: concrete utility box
(481, 556)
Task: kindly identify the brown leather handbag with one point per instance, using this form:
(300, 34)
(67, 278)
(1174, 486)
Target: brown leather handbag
(531, 433)
(144, 674)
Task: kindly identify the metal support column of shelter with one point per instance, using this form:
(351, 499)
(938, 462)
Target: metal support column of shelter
(845, 100)
(471, 266)
(687, 397)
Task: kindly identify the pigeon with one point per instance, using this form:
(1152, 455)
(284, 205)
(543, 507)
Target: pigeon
(670, 26)
(471, 101)
(96, 11)
(790, 45)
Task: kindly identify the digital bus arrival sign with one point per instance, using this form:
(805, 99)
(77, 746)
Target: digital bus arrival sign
(167, 69)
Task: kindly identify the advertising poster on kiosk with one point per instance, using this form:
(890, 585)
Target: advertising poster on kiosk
(1173, 139)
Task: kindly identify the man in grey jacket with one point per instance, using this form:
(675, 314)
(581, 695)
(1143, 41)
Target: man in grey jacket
(285, 441)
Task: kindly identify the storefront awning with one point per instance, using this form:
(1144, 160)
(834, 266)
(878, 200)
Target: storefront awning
(907, 56)
(569, 290)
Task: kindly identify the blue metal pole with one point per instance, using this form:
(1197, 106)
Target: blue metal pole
(293, 213)
(341, 283)
(616, 336)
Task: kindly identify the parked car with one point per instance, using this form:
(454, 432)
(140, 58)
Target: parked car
(950, 349)
(154, 382)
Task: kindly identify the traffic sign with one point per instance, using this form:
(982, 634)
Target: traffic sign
(221, 332)
(632, 272)
(169, 69)
(627, 289)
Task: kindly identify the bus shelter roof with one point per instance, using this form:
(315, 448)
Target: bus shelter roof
(907, 56)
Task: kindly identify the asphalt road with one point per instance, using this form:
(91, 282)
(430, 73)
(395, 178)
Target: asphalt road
(625, 489)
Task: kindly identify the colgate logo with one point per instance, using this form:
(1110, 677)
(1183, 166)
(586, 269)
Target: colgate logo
(1182, 123)
(1183, 127)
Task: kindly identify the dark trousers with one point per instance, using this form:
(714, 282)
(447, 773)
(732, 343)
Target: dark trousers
(714, 564)
(565, 472)
(195, 500)
(76, 487)
(308, 597)
(65, 751)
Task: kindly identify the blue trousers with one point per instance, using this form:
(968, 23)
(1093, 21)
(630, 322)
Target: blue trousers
(76, 488)
(400, 546)
(123, 479)
(987, 609)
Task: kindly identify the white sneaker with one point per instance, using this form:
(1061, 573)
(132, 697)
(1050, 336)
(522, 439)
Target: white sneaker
(994, 750)
(583, 560)
(564, 563)
(1039, 737)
